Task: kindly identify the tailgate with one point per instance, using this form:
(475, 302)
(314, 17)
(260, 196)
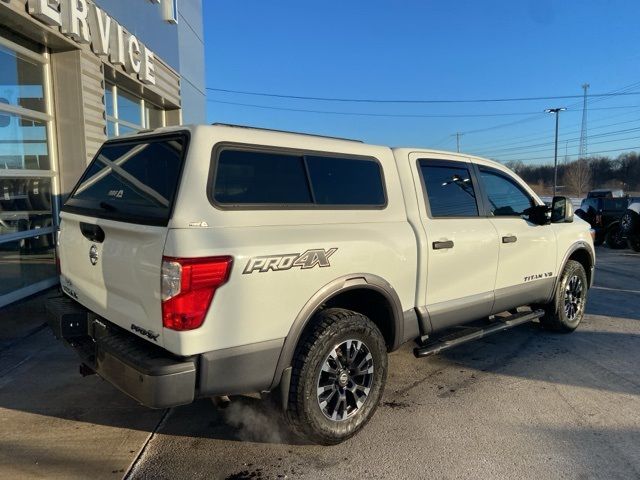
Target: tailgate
(114, 227)
(118, 278)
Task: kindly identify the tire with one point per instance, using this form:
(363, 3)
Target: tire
(336, 414)
(614, 238)
(565, 312)
(630, 223)
(634, 243)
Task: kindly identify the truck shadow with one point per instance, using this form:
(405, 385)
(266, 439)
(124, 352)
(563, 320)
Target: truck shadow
(45, 383)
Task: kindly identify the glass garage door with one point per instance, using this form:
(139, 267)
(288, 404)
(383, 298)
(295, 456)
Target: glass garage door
(27, 173)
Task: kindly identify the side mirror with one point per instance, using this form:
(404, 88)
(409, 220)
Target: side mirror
(538, 214)
(561, 210)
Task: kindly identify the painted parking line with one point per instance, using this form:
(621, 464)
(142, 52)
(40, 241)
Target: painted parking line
(616, 289)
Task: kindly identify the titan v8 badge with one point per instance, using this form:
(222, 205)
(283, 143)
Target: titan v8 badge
(276, 263)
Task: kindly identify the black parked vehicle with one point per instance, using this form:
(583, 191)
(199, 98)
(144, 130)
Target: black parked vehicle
(605, 193)
(630, 225)
(604, 214)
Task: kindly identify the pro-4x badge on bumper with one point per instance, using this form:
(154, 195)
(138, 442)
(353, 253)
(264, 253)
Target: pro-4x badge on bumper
(309, 259)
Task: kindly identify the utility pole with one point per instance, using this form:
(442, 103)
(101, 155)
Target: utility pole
(583, 133)
(557, 111)
(458, 135)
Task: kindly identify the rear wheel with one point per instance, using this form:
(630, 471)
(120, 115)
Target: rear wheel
(614, 237)
(565, 312)
(339, 372)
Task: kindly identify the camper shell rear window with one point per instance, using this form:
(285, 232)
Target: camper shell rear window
(133, 180)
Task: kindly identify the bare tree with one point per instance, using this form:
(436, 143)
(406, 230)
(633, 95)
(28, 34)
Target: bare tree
(577, 177)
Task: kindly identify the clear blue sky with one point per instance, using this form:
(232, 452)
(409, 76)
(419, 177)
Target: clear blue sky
(434, 51)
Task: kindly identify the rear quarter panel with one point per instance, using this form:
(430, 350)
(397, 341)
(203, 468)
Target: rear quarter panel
(261, 306)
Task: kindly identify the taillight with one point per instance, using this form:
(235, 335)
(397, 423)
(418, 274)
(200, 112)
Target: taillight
(188, 286)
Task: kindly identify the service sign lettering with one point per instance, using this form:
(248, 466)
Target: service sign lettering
(85, 23)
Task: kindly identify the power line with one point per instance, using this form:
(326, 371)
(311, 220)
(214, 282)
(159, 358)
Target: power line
(611, 93)
(489, 146)
(536, 145)
(590, 101)
(371, 100)
(535, 136)
(399, 115)
(367, 114)
(577, 154)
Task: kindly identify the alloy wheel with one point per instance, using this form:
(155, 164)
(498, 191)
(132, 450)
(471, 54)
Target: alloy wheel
(345, 380)
(574, 298)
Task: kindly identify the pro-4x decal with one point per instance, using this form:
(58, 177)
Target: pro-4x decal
(317, 257)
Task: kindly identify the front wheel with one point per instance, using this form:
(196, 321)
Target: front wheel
(565, 312)
(339, 372)
(629, 222)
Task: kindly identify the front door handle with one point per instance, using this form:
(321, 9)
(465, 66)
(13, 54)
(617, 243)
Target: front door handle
(442, 245)
(509, 239)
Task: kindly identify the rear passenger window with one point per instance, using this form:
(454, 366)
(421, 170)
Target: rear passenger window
(245, 177)
(450, 191)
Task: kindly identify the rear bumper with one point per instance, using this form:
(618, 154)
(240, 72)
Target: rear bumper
(149, 374)
(153, 376)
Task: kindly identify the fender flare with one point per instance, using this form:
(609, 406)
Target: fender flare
(333, 288)
(581, 245)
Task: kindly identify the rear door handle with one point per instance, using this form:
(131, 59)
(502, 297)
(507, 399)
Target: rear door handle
(509, 239)
(442, 245)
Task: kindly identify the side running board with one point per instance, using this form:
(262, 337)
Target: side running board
(450, 341)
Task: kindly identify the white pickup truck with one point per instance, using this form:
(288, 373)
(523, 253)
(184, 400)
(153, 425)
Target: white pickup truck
(204, 261)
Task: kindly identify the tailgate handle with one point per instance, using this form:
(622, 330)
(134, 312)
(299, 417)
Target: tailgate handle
(509, 239)
(92, 232)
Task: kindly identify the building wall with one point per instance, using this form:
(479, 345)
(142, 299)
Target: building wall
(158, 35)
(178, 45)
(82, 95)
(191, 44)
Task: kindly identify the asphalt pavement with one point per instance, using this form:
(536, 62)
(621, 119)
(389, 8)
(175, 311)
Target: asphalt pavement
(520, 404)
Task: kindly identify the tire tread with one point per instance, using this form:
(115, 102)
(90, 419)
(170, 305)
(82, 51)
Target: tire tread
(322, 326)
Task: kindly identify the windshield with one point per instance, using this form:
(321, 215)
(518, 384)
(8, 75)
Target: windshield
(131, 180)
